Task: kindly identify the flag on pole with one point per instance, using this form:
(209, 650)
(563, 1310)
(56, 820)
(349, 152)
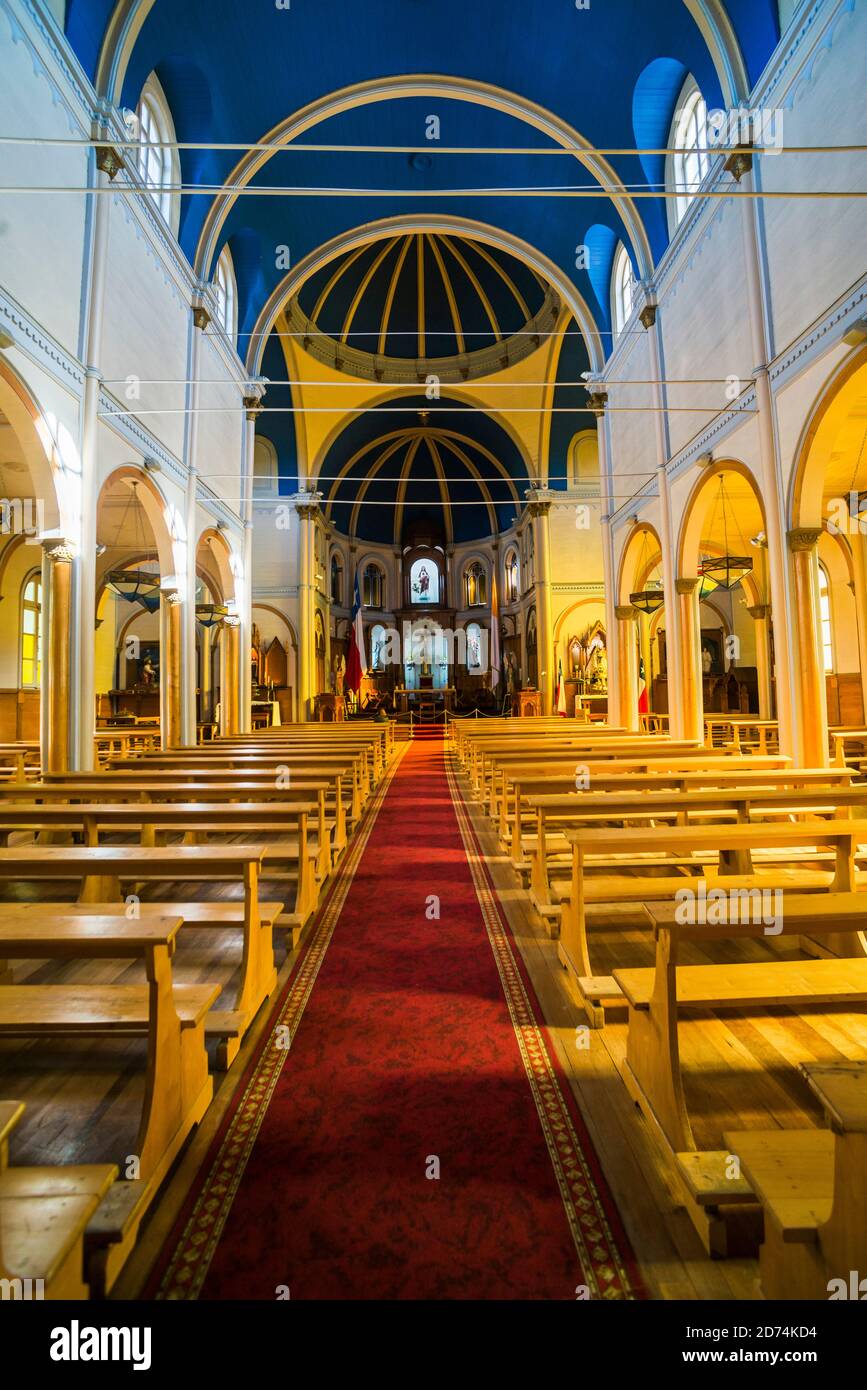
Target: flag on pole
(561, 691)
(355, 659)
(643, 702)
(496, 659)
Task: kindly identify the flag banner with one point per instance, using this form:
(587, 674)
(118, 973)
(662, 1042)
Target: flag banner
(355, 659)
(643, 702)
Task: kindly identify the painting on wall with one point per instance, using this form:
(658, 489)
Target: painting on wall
(424, 582)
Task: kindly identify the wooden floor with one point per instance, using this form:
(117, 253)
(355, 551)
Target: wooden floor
(740, 1073)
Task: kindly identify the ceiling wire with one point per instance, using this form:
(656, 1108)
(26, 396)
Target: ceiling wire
(292, 147)
(594, 191)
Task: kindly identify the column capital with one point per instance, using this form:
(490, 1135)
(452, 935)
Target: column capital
(539, 501)
(804, 538)
(686, 586)
(760, 611)
(231, 620)
(625, 612)
(57, 548)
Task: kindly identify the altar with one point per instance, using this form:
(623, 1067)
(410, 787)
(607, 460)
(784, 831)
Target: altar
(406, 699)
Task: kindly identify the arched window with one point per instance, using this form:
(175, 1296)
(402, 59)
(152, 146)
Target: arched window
(336, 578)
(690, 159)
(31, 631)
(226, 293)
(377, 647)
(475, 585)
(825, 620)
(264, 467)
(529, 559)
(157, 157)
(622, 289)
(372, 587)
(513, 577)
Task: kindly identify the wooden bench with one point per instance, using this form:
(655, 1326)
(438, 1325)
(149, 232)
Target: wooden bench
(44, 1212)
(102, 868)
(178, 1087)
(840, 836)
(811, 1184)
(684, 806)
(258, 975)
(657, 997)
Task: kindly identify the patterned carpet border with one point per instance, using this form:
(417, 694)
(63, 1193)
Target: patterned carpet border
(601, 1243)
(230, 1150)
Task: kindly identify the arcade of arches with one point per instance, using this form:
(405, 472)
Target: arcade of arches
(410, 597)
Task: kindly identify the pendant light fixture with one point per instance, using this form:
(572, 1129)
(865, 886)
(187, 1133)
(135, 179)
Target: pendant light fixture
(727, 570)
(651, 598)
(134, 585)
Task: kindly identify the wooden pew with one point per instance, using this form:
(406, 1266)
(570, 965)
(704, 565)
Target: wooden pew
(178, 1087)
(101, 868)
(43, 1216)
(657, 997)
(841, 836)
(211, 784)
(250, 819)
(555, 797)
(714, 804)
(811, 1185)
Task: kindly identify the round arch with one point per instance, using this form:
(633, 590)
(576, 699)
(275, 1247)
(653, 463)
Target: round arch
(221, 552)
(834, 421)
(155, 506)
(629, 578)
(484, 232)
(698, 505)
(38, 437)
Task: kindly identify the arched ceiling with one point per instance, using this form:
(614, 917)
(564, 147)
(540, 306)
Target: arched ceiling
(438, 460)
(234, 76)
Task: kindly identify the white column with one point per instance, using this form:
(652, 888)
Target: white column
(608, 569)
(245, 695)
(188, 618)
(786, 651)
(83, 683)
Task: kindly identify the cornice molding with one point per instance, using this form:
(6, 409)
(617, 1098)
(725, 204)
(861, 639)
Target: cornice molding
(35, 343)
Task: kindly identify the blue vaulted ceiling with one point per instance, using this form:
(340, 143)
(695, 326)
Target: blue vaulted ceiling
(611, 73)
(233, 72)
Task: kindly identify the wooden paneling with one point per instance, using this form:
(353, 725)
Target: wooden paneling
(845, 702)
(19, 715)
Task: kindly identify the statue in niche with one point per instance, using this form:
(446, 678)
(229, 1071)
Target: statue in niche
(148, 671)
(339, 673)
(706, 660)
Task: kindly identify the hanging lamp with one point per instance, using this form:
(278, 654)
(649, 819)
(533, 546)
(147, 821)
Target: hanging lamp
(135, 586)
(651, 598)
(727, 570)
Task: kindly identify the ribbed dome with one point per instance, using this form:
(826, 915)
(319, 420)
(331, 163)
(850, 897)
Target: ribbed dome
(461, 472)
(423, 302)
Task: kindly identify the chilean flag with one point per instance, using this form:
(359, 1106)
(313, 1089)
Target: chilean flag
(355, 659)
(643, 703)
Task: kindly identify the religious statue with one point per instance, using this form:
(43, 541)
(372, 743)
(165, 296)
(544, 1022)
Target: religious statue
(339, 673)
(706, 660)
(148, 672)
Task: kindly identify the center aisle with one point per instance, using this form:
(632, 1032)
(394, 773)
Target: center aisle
(417, 1139)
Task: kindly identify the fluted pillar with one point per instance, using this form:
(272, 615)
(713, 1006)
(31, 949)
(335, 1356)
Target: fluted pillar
(627, 666)
(689, 624)
(761, 615)
(57, 609)
(540, 505)
(306, 601)
(858, 542)
(170, 663)
(231, 675)
(812, 733)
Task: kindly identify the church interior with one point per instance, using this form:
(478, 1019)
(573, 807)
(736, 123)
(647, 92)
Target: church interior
(433, 627)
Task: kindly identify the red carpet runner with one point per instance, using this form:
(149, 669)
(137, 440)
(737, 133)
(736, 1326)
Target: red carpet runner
(417, 1051)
